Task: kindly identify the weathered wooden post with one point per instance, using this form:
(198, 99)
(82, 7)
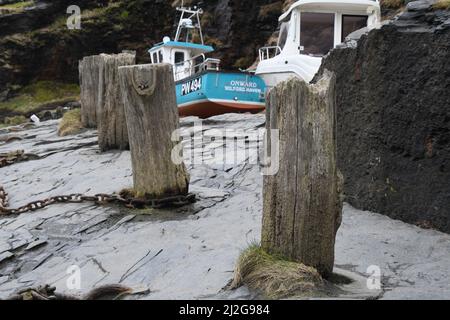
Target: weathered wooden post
(91, 95)
(302, 202)
(112, 128)
(152, 117)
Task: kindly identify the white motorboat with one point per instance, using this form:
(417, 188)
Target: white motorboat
(309, 29)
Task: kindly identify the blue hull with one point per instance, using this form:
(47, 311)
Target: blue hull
(212, 93)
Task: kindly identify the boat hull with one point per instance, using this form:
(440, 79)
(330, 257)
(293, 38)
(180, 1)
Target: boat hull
(213, 93)
(210, 108)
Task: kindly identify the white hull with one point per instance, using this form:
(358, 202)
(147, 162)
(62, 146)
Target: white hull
(272, 79)
(273, 71)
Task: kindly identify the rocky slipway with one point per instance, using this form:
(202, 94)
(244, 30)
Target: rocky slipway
(184, 253)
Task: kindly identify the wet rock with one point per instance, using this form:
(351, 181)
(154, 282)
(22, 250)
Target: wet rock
(5, 256)
(421, 5)
(393, 128)
(419, 17)
(45, 115)
(92, 223)
(35, 244)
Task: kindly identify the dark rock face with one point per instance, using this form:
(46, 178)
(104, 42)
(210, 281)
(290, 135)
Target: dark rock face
(51, 51)
(36, 44)
(31, 18)
(393, 98)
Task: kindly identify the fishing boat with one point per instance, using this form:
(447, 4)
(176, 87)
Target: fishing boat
(309, 29)
(202, 89)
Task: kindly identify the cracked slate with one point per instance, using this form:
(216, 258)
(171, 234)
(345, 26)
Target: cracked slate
(185, 253)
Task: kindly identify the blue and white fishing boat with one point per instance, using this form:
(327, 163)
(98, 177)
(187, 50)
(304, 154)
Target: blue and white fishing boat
(202, 89)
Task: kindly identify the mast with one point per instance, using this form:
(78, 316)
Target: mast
(186, 21)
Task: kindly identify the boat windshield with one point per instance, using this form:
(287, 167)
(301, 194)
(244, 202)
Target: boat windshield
(284, 29)
(351, 23)
(316, 33)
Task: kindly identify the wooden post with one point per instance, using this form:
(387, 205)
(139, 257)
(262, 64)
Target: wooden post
(91, 94)
(112, 128)
(302, 202)
(152, 117)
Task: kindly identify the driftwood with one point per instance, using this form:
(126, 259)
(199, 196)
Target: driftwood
(152, 117)
(48, 292)
(112, 129)
(91, 95)
(302, 202)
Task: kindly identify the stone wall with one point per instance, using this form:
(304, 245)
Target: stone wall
(393, 100)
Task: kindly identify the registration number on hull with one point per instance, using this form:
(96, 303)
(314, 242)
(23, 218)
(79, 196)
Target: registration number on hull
(191, 86)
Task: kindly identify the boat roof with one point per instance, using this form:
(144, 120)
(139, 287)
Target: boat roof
(351, 4)
(184, 45)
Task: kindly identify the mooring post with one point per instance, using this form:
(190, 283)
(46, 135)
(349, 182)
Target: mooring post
(112, 128)
(151, 112)
(302, 202)
(101, 103)
(91, 94)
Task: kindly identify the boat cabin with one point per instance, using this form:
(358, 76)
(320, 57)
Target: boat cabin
(185, 55)
(309, 29)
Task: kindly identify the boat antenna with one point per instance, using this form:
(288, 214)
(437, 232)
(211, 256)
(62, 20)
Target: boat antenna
(186, 21)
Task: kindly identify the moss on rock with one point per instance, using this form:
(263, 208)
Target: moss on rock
(442, 5)
(70, 124)
(38, 93)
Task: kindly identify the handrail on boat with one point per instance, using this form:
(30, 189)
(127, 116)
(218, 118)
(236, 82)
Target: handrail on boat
(188, 68)
(269, 52)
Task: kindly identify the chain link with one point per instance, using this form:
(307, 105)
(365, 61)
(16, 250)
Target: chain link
(98, 199)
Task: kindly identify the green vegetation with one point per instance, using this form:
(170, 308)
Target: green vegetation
(14, 121)
(397, 4)
(100, 11)
(124, 15)
(70, 123)
(40, 93)
(16, 7)
(275, 277)
(442, 5)
(392, 4)
(60, 22)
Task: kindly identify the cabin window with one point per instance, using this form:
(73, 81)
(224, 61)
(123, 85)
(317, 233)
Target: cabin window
(155, 58)
(199, 63)
(351, 23)
(160, 56)
(179, 57)
(316, 33)
(283, 34)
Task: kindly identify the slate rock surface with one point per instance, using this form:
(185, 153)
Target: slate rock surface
(187, 253)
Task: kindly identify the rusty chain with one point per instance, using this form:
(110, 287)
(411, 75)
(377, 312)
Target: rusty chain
(98, 199)
(10, 158)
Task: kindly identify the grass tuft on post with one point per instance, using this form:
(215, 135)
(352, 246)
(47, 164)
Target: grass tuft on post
(275, 277)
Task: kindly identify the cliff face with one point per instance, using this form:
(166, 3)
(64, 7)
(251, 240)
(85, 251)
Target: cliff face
(35, 44)
(393, 99)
